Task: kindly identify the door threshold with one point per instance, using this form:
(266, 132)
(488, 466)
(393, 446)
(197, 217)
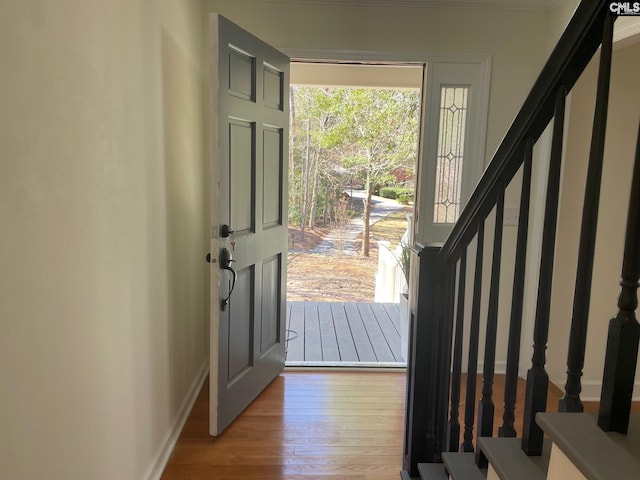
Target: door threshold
(345, 366)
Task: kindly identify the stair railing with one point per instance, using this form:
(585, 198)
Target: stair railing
(439, 277)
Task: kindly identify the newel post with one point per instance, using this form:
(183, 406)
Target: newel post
(624, 330)
(422, 362)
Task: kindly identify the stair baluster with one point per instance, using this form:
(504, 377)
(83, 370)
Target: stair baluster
(472, 364)
(580, 318)
(515, 325)
(486, 407)
(537, 378)
(453, 432)
(624, 331)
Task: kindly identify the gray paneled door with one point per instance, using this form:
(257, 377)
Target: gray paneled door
(250, 119)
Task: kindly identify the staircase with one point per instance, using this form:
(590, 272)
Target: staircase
(439, 438)
(576, 449)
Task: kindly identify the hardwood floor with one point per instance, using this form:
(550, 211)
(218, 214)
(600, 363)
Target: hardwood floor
(333, 426)
(311, 426)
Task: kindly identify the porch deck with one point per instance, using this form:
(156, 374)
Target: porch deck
(343, 334)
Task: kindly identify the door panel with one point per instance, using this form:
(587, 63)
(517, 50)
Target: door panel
(272, 178)
(242, 68)
(270, 311)
(249, 130)
(273, 86)
(241, 330)
(242, 173)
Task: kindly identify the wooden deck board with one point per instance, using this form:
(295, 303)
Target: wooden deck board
(335, 333)
(295, 330)
(344, 336)
(330, 352)
(393, 310)
(360, 336)
(388, 329)
(376, 337)
(312, 341)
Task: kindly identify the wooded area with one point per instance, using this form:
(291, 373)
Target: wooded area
(344, 138)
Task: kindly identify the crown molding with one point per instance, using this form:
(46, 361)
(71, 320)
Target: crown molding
(518, 5)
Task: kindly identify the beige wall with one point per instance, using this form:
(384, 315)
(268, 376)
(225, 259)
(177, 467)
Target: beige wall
(624, 114)
(558, 20)
(103, 213)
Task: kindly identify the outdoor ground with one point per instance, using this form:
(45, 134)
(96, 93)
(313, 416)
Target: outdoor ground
(336, 277)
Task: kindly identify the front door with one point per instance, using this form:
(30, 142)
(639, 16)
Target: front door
(249, 129)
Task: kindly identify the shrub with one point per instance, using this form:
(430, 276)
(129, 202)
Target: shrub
(404, 199)
(396, 193)
(389, 192)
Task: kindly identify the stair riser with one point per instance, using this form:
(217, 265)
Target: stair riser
(561, 468)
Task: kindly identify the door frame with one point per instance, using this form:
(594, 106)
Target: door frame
(478, 123)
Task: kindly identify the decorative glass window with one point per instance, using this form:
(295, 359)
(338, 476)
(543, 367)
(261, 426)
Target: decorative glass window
(450, 153)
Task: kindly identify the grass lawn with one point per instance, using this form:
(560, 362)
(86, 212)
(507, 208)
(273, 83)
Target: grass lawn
(390, 228)
(341, 278)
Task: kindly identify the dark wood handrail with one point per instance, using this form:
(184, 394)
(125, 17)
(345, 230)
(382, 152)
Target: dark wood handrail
(574, 50)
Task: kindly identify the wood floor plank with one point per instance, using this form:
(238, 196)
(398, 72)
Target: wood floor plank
(361, 339)
(359, 437)
(376, 336)
(344, 336)
(330, 351)
(306, 439)
(312, 341)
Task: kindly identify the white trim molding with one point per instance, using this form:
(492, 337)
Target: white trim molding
(626, 31)
(591, 389)
(164, 452)
(517, 5)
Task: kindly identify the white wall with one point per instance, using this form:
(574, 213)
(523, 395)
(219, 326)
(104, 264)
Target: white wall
(624, 115)
(104, 215)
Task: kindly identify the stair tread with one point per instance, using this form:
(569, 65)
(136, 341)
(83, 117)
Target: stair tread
(598, 455)
(432, 471)
(508, 460)
(462, 466)
(631, 441)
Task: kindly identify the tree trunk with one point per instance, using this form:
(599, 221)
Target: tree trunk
(326, 206)
(314, 195)
(306, 164)
(292, 150)
(367, 216)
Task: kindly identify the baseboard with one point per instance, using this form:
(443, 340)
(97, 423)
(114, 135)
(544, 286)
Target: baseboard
(591, 390)
(161, 459)
(499, 368)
